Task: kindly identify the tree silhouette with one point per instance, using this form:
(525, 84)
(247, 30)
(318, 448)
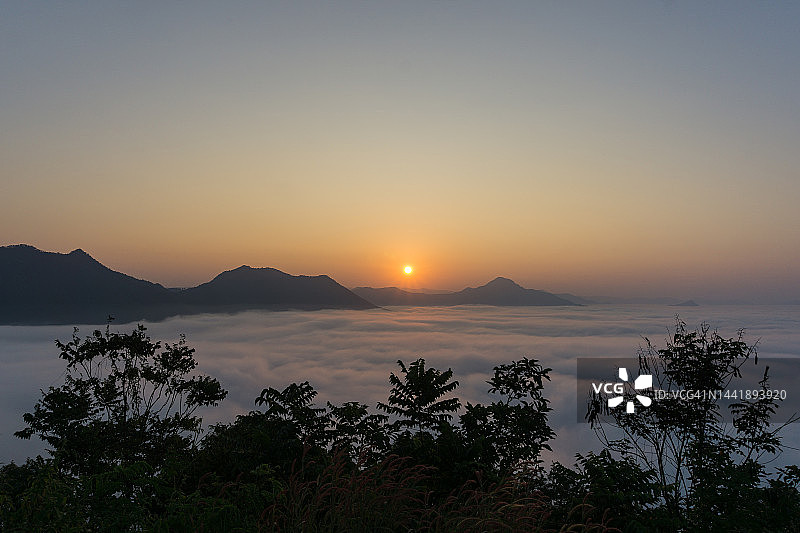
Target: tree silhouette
(710, 473)
(515, 428)
(124, 399)
(363, 435)
(416, 397)
(294, 405)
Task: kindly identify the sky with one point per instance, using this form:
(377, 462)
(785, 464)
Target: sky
(598, 148)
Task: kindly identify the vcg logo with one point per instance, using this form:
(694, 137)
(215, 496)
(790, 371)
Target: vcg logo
(642, 382)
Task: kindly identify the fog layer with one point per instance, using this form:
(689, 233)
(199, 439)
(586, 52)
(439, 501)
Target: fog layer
(348, 355)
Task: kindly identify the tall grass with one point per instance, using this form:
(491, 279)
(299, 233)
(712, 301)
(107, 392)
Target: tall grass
(392, 496)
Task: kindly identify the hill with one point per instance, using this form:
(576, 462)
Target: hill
(500, 292)
(38, 287)
(264, 288)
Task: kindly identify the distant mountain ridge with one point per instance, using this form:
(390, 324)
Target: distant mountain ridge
(249, 287)
(38, 287)
(500, 292)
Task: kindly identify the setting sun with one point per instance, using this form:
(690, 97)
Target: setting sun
(408, 269)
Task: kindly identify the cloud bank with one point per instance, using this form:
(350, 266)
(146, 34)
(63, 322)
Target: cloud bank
(348, 355)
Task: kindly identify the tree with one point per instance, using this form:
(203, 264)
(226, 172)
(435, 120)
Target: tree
(617, 489)
(710, 473)
(293, 405)
(124, 400)
(416, 397)
(514, 429)
(359, 433)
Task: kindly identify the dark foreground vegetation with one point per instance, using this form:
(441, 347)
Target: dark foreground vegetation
(125, 453)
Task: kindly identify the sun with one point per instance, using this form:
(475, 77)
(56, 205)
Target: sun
(408, 269)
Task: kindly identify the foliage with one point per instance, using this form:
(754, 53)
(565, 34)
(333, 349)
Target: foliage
(293, 405)
(620, 487)
(363, 436)
(36, 496)
(126, 454)
(234, 450)
(213, 504)
(415, 398)
(124, 400)
(514, 430)
(710, 474)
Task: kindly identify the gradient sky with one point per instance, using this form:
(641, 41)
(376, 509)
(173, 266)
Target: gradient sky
(627, 148)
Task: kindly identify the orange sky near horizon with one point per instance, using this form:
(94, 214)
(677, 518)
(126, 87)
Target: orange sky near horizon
(601, 150)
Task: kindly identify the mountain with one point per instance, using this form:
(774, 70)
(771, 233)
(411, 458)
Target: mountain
(635, 300)
(395, 296)
(575, 299)
(39, 287)
(429, 291)
(258, 288)
(500, 292)
(503, 291)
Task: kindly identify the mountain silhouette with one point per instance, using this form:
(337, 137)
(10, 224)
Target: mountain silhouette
(38, 287)
(500, 292)
(248, 288)
(575, 299)
(395, 296)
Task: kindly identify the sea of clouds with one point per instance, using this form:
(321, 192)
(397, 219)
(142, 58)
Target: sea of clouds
(348, 355)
